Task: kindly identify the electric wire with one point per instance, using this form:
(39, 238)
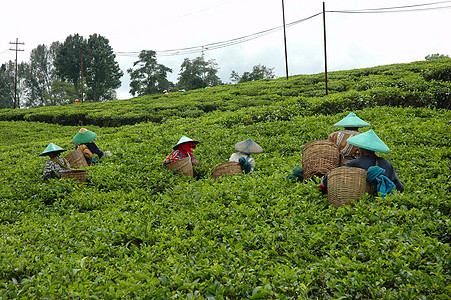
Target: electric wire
(246, 38)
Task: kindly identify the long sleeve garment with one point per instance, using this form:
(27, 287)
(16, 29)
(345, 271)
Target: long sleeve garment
(340, 138)
(54, 167)
(367, 161)
(235, 157)
(176, 155)
(94, 149)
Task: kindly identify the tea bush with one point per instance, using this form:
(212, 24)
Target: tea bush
(417, 84)
(136, 230)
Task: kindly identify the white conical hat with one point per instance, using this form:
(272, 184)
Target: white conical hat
(184, 139)
(248, 147)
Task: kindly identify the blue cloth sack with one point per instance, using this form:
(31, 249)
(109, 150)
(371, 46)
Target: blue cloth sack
(245, 165)
(376, 175)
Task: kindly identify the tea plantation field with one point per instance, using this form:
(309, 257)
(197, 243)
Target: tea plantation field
(138, 231)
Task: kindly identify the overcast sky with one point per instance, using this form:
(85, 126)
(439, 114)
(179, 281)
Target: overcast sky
(354, 39)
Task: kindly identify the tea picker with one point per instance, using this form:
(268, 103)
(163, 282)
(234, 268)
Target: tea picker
(351, 123)
(85, 142)
(243, 155)
(56, 164)
(379, 171)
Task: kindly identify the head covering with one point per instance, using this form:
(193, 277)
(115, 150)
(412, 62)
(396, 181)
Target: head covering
(84, 136)
(351, 120)
(248, 147)
(184, 139)
(370, 141)
(52, 148)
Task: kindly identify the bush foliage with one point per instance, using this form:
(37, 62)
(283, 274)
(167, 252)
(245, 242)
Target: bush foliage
(138, 231)
(418, 84)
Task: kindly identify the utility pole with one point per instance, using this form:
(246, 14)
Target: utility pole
(15, 73)
(81, 70)
(285, 40)
(325, 52)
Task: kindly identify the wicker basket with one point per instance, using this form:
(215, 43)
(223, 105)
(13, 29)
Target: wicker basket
(76, 159)
(230, 168)
(182, 166)
(79, 175)
(346, 184)
(319, 157)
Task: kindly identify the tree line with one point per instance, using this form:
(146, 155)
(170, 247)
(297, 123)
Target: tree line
(87, 69)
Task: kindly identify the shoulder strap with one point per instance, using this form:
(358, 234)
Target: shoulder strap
(58, 162)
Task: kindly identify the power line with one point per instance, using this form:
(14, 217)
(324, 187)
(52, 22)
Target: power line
(405, 8)
(246, 38)
(218, 45)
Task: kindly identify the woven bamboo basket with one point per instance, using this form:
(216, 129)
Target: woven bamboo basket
(76, 159)
(319, 157)
(346, 184)
(79, 175)
(230, 168)
(182, 166)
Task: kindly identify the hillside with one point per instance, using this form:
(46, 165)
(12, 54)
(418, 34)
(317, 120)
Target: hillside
(139, 231)
(417, 84)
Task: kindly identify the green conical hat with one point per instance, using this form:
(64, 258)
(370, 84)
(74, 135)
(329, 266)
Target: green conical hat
(84, 136)
(52, 148)
(184, 139)
(248, 147)
(370, 141)
(351, 120)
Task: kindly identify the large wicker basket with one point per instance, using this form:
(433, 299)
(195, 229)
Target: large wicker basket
(79, 175)
(319, 157)
(182, 166)
(346, 184)
(76, 159)
(230, 168)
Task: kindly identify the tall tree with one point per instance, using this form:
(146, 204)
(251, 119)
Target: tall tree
(61, 93)
(148, 77)
(7, 85)
(69, 59)
(39, 74)
(198, 73)
(102, 71)
(258, 72)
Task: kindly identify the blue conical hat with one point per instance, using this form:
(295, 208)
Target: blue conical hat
(184, 139)
(248, 147)
(351, 120)
(370, 141)
(52, 148)
(84, 136)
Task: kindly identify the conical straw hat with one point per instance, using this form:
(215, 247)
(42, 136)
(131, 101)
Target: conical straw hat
(370, 141)
(351, 120)
(52, 148)
(84, 136)
(184, 139)
(248, 147)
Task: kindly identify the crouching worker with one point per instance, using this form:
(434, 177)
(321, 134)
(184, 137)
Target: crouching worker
(184, 148)
(56, 164)
(379, 171)
(85, 142)
(351, 123)
(243, 156)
